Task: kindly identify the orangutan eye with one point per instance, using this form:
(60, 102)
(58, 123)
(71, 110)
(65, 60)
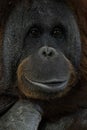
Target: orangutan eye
(58, 32)
(35, 32)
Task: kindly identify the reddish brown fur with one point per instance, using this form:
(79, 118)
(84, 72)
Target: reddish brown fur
(80, 10)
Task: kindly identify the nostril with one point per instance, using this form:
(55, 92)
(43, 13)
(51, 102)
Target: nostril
(44, 53)
(50, 53)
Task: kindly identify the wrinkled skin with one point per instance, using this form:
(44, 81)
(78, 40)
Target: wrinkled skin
(42, 51)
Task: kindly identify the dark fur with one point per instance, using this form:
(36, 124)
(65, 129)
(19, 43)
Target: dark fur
(74, 99)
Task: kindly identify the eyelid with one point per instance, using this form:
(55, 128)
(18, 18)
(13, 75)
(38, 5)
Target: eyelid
(36, 26)
(59, 26)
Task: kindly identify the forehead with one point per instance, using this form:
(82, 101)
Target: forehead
(49, 11)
